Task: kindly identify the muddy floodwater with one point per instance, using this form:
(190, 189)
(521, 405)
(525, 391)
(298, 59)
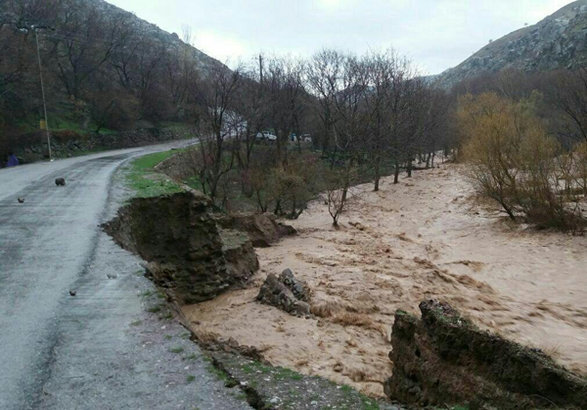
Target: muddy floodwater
(426, 237)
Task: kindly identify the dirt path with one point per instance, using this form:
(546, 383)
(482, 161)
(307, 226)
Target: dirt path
(420, 239)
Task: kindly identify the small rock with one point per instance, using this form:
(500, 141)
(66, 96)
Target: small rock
(60, 181)
(20, 200)
(72, 292)
(111, 275)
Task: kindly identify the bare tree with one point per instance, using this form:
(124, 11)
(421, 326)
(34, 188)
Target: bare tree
(85, 41)
(388, 74)
(323, 78)
(217, 99)
(284, 91)
(568, 92)
(252, 103)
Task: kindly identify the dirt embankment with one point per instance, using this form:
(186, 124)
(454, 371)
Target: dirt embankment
(421, 239)
(445, 359)
(191, 249)
(186, 249)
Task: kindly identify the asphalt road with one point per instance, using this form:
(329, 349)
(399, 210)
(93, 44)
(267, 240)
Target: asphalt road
(109, 346)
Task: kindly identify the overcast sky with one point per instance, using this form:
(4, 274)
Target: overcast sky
(434, 34)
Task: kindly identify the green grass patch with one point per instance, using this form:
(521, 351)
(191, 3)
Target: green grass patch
(194, 182)
(176, 349)
(254, 367)
(154, 309)
(346, 389)
(190, 378)
(220, 375)
(167, 316)
(145, 181)
(148, 162)
(368, 403)
(287, 374)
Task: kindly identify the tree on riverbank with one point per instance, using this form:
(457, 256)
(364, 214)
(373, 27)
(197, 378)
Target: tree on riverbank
(514, 162)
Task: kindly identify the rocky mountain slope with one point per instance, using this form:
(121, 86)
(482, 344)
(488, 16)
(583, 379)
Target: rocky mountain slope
(172, 41)
(20, 14)
(558, 41)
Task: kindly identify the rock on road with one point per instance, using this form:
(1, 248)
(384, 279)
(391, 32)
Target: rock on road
(99, 349)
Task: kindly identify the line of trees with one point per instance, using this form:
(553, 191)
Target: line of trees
(367, 115)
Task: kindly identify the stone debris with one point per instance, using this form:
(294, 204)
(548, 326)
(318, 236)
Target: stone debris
(286, 293)
(298, 287)
(263, 229)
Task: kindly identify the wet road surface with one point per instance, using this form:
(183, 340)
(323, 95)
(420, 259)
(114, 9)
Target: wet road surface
(100, 348)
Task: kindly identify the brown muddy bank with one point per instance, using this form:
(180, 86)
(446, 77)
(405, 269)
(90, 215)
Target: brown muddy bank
(443, 358)
(190, 247)
(187, 250)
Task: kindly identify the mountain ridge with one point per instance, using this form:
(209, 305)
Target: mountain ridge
(557, 41)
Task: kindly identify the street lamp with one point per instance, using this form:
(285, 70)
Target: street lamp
(34, 29)
(43, 93)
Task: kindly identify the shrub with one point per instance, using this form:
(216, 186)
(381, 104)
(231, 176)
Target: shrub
(515, 163)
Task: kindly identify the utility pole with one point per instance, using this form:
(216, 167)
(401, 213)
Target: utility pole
(261, 69)
(43, 93)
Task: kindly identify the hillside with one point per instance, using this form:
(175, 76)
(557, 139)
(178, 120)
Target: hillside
(105, 70)
(558, 41)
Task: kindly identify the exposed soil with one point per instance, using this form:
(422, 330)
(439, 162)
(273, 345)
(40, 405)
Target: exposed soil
(186, 249)
(423, 238)
(444, 359)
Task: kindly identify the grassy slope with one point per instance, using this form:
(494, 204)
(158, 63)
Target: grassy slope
(145, 181)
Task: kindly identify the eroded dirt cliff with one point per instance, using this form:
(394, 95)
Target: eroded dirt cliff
(443, 358)
(186, 249)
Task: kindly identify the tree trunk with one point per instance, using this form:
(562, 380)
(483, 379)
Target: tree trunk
(277, 209)
(396, 173)
(377, 173)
